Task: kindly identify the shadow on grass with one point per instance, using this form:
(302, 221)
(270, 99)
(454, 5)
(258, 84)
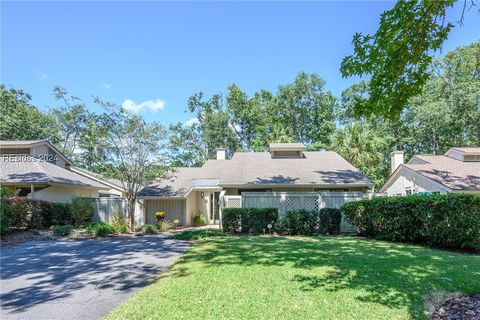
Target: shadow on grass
(394, 275)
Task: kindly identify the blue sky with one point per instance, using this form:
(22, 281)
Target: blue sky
(157, 54)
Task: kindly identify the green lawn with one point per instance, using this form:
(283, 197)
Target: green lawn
(301, 278)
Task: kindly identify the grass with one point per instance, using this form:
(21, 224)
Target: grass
(302, 278)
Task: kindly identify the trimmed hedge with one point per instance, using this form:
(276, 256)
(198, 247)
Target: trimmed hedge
(300, 222)
(451, 220)
(21, 213)
(330, 219)
(248, 220)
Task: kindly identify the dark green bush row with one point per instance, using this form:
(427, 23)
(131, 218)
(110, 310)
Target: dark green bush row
(451, 220)
(248, 220)
(20, 213)
(307, 223)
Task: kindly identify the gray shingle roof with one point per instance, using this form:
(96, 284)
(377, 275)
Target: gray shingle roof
(32, 170)
(452, 173)
(467, 149)
(258, 168)
(19, 142)
(98, 176)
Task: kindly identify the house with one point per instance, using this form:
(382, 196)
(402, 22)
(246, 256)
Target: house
(40, 171)
(456, 171)
(285, 174)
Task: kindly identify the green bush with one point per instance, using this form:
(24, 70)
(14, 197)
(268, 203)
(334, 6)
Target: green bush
(199, 220)
(451, 220)
(82, 210)
(248, 220)
(300, 222)
(231, 220)
(118, 222)
(100, 229)
(61, 214)
(149, 229)
(330, 219)
(163, 225)
(61, 231)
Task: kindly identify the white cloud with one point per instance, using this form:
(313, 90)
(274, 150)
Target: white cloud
(107, 86)
(190, 122)
(152, 105)
(42, 76)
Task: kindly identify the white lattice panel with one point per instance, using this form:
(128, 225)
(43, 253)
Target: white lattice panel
(233, 201)
(310, 203)
(293, 203)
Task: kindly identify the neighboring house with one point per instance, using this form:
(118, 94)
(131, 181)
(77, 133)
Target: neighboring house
(456, 171)
(40, 171)
(286, 168)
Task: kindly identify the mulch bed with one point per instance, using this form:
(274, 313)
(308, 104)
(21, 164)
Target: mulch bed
(458, 308)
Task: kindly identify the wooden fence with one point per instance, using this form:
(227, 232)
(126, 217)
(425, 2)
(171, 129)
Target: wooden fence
(106, 207)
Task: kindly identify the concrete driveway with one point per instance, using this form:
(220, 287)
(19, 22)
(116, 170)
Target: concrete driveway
(79, 279)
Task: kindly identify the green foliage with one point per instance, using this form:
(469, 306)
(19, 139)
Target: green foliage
(397, 61)
(330, 219)
(61, 231)
(149, 229)
(231, 219)
(21, 120)
(82, 210)
(194, 235)
(61, 213)
(248, 220)
(451, 220)
(118, 222)
(100, 229)
(199, 220)
(300, 222)
(163, 225)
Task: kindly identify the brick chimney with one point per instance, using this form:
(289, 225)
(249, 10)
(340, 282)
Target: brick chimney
(396, 159)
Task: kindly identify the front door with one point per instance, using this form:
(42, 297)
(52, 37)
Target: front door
(214, 206)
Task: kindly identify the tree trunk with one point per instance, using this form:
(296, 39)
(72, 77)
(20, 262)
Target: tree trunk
(131, 212)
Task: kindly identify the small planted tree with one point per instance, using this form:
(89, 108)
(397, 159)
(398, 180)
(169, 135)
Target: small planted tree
(135, 150)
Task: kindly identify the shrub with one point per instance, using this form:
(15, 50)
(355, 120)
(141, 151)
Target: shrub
(61, 214)
(162, 226)
(231, 219)
(248, 220)
(300, 222)
(199, 220)
(6, 220)
(149, 229)
(451, 220)
(330, 219)
(118, 222)
(82, 210)
(61, 231)
(100, 229)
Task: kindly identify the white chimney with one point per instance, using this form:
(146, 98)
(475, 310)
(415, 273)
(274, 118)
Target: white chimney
(396, 159)
(221, 153)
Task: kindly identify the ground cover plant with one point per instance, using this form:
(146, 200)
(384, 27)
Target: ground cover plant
(256, 277)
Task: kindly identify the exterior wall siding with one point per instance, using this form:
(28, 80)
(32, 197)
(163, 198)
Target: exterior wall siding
(63, 194)
(417, 183)
(173, 208)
